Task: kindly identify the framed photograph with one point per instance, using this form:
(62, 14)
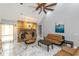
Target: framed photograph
(59, 28)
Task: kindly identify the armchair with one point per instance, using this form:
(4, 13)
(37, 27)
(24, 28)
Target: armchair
(67, 51)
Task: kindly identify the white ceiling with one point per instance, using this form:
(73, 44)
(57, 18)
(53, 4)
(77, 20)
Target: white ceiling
(15, 11)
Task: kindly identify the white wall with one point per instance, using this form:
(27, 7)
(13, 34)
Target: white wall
(67, 13)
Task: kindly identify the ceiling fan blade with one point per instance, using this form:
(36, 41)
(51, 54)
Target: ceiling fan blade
(44, 4)
(40, 11)
(44, 11)
(53, 4)
(49, 9)
(39, 6)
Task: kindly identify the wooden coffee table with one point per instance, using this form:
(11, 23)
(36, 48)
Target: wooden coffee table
(45, 42)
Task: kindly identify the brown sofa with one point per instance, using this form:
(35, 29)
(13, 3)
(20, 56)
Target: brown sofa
(55, 38)
(67, 51)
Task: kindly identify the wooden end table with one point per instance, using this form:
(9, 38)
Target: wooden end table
(69, 42)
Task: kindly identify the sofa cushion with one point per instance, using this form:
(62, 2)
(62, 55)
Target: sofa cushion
(55, 38)
(62, 53)
(76, 52)
(54, 41)
(69, 50)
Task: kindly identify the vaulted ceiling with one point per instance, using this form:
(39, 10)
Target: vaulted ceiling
(16, 11)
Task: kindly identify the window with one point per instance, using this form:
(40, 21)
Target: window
(7, 32)
(7, 38)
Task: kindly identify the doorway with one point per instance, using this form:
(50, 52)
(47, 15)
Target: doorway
(7, 38)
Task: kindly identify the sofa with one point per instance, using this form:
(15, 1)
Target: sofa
(55, 39)
(68, 51)
(58, 40)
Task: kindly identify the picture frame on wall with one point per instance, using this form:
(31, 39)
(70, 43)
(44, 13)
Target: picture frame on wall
(59, 28)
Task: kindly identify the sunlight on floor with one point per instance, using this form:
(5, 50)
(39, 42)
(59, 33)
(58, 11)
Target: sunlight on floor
(7, 49)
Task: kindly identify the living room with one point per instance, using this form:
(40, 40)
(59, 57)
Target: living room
(17, 18)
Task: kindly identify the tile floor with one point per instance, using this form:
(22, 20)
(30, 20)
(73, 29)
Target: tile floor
(21, 49)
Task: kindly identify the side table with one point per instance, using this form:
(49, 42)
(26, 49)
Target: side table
(69, 42)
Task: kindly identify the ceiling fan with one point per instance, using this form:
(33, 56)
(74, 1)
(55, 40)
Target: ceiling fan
(43, 7)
